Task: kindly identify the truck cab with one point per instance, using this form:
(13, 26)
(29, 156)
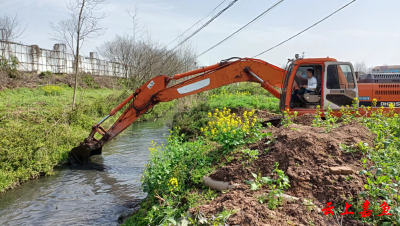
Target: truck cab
(336, 85)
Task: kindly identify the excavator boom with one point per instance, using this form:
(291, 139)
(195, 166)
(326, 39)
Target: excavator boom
(156, 90)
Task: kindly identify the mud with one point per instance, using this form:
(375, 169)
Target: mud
(305, 154)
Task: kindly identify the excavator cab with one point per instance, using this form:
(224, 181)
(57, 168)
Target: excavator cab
(336, 85)
(308, 99)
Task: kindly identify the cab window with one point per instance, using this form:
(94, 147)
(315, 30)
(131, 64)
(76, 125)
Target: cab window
(340, 77)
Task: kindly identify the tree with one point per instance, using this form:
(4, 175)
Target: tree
(83, 24)
(361, 67)
(142, 59)
(11, 28)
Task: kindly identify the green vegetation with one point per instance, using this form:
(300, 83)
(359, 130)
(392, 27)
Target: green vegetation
(9, 66)
(274, 196)
(243, 96)
(252, 154)
(38, 128)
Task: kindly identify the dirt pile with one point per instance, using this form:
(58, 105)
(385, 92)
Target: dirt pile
(306, 119)
(307, 155)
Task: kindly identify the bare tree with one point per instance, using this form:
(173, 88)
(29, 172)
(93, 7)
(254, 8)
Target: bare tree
(143, 58)
(11, 28)
(360, 67)
(83, 24)
(135, 25)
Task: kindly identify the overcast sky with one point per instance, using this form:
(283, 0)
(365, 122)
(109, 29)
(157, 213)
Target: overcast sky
(367, 30)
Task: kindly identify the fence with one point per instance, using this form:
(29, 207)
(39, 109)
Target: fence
(34, 59)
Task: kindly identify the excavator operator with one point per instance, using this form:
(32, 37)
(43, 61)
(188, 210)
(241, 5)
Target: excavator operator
(309, 88)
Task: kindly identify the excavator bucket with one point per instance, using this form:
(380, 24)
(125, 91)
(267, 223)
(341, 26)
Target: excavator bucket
(81, 154)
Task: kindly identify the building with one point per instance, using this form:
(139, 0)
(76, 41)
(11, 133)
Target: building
(386, 69)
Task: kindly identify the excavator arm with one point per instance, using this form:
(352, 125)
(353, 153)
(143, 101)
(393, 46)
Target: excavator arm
(156, 90)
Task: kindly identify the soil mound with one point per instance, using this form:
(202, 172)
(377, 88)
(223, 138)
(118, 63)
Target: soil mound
(307, 155)
(305, 119)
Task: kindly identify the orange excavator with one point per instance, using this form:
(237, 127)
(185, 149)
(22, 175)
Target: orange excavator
(337, 85)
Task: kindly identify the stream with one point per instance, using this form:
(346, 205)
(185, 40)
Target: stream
(96, 194)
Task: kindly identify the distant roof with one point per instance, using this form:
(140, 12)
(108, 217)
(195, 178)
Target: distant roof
(387, 67)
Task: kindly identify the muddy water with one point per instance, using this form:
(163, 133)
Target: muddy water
(93, 195)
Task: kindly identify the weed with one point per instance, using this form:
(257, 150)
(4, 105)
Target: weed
(252, 154)
(222, 217)
(274, 197)
(89, 81)
(330, 119)
(317, 121)
(259, 181)
(9, 65)
(309, 204)
(288, 118)
(348, 178)
(346, 148)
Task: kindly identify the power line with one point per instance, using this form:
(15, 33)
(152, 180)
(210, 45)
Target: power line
(211, 12)
(195, 32)
(245, 26)
(207, 23)
(306, 29)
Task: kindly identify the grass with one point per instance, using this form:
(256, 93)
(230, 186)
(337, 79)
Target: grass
(38, 128)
